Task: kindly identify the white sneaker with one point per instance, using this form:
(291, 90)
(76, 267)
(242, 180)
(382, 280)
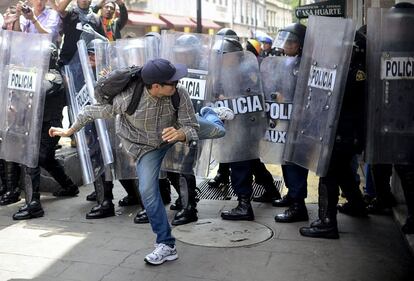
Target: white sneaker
(161, 254)
(224, 113)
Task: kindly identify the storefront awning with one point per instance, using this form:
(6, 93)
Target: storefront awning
(207, 23)
(137, 18)
(176, 21)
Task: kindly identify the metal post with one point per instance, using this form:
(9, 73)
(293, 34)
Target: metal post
(199, 24)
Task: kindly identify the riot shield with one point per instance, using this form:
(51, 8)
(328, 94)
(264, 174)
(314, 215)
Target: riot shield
(319, 91)
(279, 75)
(136, 51)
(87, 140)
(106, 60)
(24, 62)
(87, 69)
(390, 61)
(111, 56)
(193, 50)
(235, 83)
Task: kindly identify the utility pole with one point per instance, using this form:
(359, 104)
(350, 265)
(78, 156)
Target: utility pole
(199, 24)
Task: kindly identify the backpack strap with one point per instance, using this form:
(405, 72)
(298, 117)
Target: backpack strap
(138, 89)
(136, 97)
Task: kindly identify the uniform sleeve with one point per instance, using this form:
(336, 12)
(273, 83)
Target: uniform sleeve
(187, 120)
(91, 113)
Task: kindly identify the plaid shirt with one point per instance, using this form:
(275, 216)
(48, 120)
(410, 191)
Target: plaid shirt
(141, 131)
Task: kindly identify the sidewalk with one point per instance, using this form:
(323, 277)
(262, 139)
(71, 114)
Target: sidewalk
(64, 246)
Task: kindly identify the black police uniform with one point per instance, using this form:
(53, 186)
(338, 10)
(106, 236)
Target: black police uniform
(349, 141)
(54, 103)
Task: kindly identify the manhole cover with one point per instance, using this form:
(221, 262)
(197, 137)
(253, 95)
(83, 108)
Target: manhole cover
(221, 233)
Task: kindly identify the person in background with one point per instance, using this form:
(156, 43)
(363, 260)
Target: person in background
(9, 18)
(80, 14)
(266, 47)
(290, 41)
(37, 18)
(112, 25)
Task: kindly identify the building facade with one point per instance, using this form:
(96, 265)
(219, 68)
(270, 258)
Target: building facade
(248, 17)
(179, 15)
(278, 15)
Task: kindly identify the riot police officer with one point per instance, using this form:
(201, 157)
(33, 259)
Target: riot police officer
(349, 141)
(54, 103)
(289, 42)
(241, 171)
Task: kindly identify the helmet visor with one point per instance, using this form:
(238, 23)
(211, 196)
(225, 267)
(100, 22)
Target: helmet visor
(285, 39)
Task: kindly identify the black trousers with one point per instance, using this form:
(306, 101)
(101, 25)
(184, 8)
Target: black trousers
(47, 159)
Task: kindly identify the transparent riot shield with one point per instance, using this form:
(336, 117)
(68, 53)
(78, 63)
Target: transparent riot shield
(319, 91)
(279, 75)
(235, 83)
(136, 51)
(111, 56)
(24, 63)
(88, 67)
(193, 50)
(106, 60)
(87, 140)
(390, 61)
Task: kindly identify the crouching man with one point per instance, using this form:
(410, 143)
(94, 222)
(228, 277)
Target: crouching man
(147, 134)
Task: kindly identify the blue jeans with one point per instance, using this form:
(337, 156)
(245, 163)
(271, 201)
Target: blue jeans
(211, 127)
(148, 169)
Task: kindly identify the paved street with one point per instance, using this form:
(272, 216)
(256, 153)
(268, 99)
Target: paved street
(65, 246)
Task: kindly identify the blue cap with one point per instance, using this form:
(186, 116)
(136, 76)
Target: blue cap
(161, 71)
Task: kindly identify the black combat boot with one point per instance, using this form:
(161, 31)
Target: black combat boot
(268, 196)
(176, 206)
(131, 187)
(103, 210)
(286, 201)
(384, 201)
(353, 209)
(243, 211)
(91, 196)
(356, 205)
(326, 226)
(296, 212)
(31, 210)
(222, 177)
(263, 177)
(12, 173)
(105, 207)
(379, 206)
(188, 201)
(141, 217)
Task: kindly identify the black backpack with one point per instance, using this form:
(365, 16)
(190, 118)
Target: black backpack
(112, 84)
